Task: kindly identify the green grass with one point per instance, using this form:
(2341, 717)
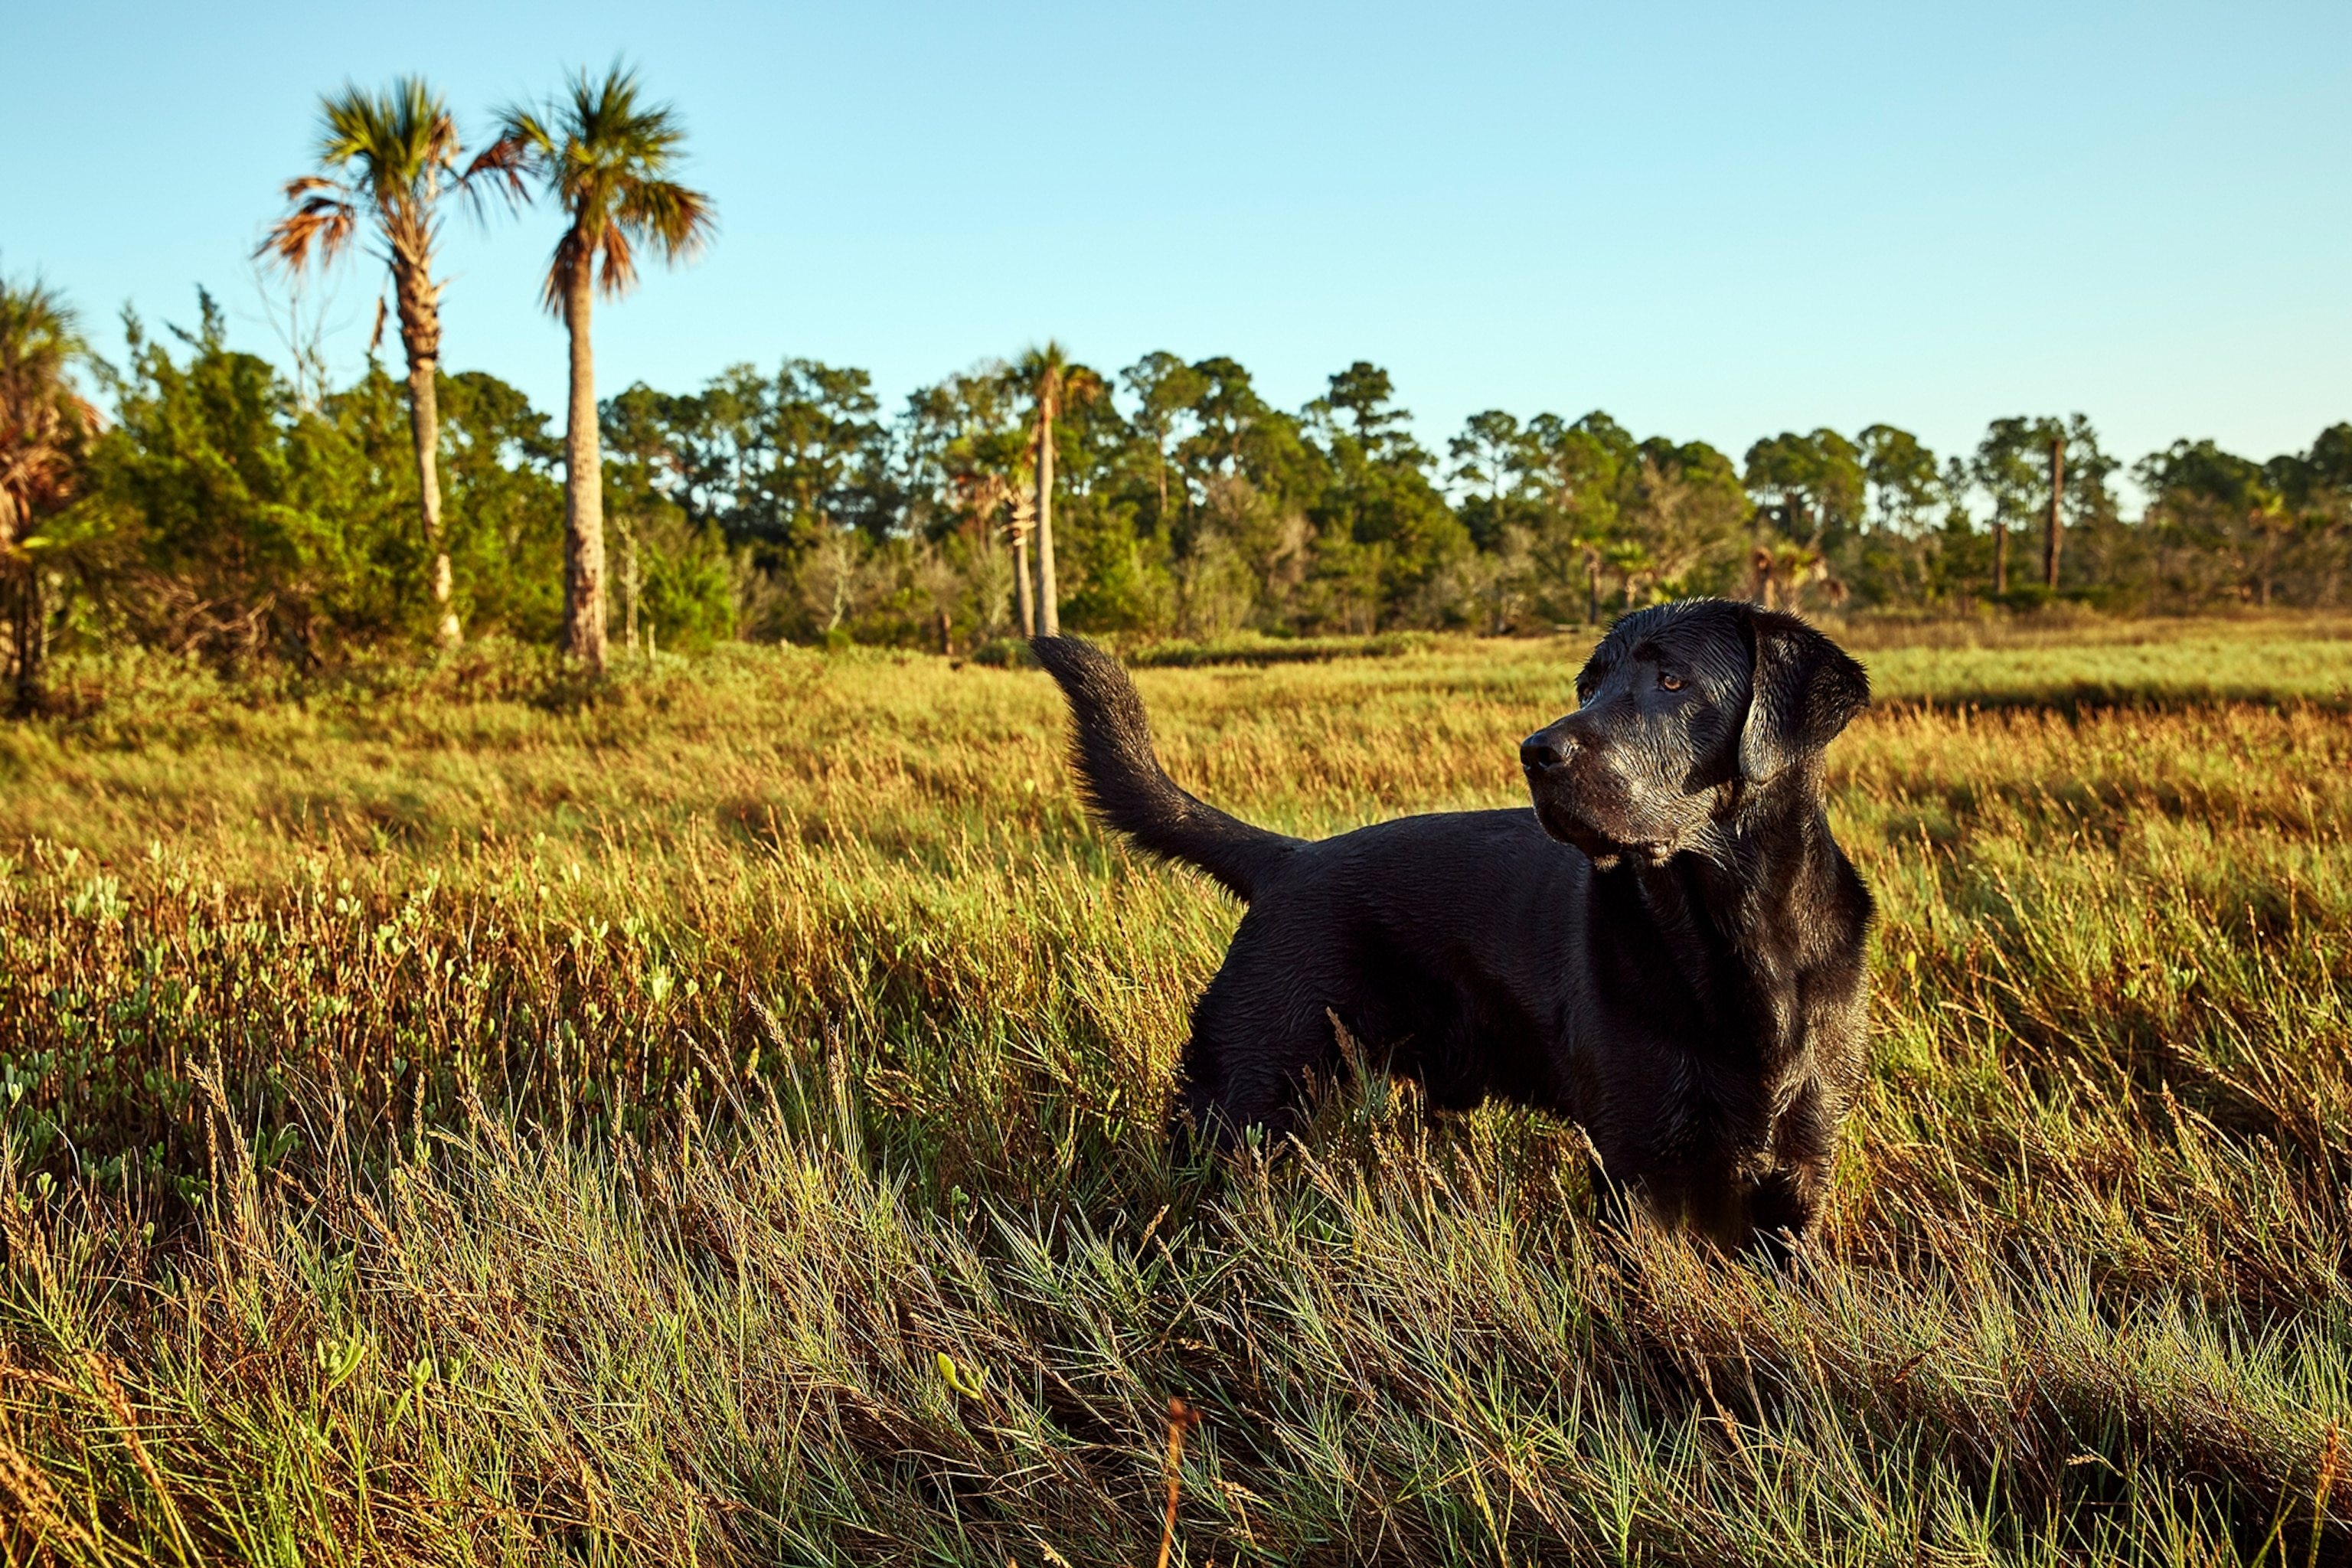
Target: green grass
(452, 1117)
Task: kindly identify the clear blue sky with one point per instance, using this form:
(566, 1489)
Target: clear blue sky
(1712, 220)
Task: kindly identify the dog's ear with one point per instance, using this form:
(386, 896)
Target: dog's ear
(1804, 690)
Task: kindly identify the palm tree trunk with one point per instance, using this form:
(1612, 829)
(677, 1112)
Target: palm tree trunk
(1049, 609)
(1021, 581)
(630, 581)
(425, 430)
(583, 492)
(31, 636)
(2055, 538)
(420, 335)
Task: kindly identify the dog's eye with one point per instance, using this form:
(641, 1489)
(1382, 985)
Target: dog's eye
(1671, 682)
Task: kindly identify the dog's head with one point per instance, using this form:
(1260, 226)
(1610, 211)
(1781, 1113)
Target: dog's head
(1680, 707)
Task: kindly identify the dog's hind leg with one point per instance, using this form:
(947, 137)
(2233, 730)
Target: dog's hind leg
(1257, 1080)
(1259, 1032)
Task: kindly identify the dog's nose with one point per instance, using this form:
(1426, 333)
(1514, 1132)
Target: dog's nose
(1543, 750)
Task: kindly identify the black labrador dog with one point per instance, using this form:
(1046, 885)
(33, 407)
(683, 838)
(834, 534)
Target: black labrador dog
(1669, 949)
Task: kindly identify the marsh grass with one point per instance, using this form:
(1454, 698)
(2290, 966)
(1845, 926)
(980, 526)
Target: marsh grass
(454, 1116)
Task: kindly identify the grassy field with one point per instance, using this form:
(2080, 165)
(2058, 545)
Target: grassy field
(452, 1117)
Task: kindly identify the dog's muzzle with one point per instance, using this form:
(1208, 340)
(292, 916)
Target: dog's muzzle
(1575, 792)
(1549, 757)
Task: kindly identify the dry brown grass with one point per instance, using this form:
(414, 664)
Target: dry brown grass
(622, 1107)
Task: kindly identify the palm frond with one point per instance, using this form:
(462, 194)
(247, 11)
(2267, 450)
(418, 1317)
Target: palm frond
(604, 156)
(620, 270)
(1082, 384)
(387, 157)
(323, 225)
(1051, 380)
(679, 220)
(501, 168)
(43, 421)
(400, 144)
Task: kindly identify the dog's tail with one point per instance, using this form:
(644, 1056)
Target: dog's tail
(1111, 747)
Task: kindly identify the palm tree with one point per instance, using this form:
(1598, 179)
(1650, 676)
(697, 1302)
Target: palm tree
(387, 160)
(985, 494)
(44, 431)
(603, 156)
(1053, 384)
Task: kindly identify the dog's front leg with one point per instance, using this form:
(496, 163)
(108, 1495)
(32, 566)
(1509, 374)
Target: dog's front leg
(1785, 1202)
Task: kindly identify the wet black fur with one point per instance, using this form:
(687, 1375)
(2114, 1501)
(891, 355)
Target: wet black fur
(1669, 949)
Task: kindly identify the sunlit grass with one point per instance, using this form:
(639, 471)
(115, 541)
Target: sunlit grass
(577, 1128)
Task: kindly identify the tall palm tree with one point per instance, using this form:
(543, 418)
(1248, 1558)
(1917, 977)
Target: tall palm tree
(1053, 384)
(985, 494)
(605, 157)
(44, 430)
(387, 160)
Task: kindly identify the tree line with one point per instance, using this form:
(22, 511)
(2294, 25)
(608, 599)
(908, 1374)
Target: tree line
(221, 505)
